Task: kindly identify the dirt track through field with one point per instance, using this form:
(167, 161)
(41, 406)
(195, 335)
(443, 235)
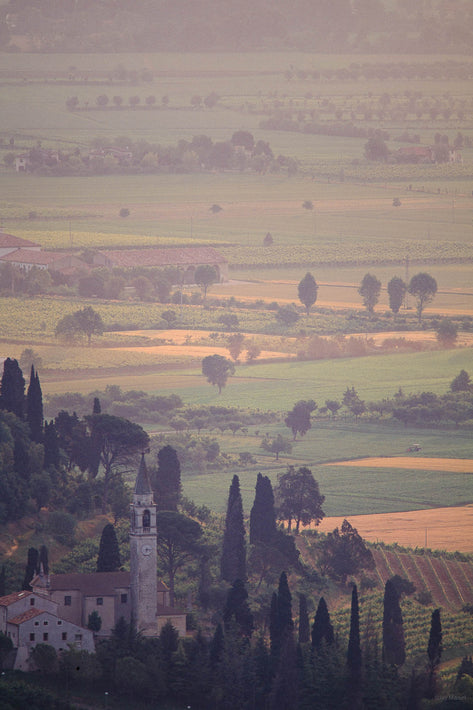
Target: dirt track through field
(437, 528)
(420, 463)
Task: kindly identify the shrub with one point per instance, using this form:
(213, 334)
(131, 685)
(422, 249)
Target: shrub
(62, 527)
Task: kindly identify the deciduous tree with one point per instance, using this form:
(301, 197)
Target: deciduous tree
(307, 291)
(344, 553)
(205, 275)
(298, 419)
(178, 542)
(423, 287)
(85, 321)
(279, 445)
(396, 291)
(298, 498)
(217, 370)
(369, 290)
(447, 333)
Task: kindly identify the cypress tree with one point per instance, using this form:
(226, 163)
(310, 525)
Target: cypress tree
(354, 653)
(284, 606)
(12, 390)
(263, 516)
(233, 562)
(284, 690)
(394, 650)
(216, 647)
(34, 407)
(51, 445)
(167, 480)
(32, 567)
(304, 626)
(274, 635)
(108, 559)
(43, 559)
(322, 629)
(237, 609)
(97, 408)
(434, 651)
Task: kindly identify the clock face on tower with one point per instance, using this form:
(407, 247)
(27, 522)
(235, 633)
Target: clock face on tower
(146, 549)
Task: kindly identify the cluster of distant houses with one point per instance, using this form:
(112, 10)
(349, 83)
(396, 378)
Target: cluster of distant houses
(425, 154)
(26, 254)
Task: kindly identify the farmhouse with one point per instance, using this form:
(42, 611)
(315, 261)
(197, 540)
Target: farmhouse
(9, 243)
(29, 618)
(26, 259)
(187, 259)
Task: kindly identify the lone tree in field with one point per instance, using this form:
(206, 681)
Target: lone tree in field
(396, 291)
(462, 382)
(447, 333)
(298, 498)
(217, 370)
(423, 287)
(85, 321)
(205, 275)
(307, 291)
(279, 445)
(369, 290)
(298, 419)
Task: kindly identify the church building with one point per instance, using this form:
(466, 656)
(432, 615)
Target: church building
(136, 596)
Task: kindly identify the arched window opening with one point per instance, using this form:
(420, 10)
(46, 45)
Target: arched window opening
(146, 520)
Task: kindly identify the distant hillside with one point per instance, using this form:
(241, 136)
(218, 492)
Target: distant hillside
(343, 26)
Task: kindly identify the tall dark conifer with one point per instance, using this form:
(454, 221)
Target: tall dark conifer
(394, 648)
(108, 559)
(51, 445)
(304, 625)
(281, 623)
(285, 686)
(233, 562)
(166, 480)
(12, 391)
(34, 407)
(43, 559)
(263, 516)
(237, 610)
(97, 408)
(354, 653)
(434, 651)
(32, 567)
(286, 622)
(322, 629)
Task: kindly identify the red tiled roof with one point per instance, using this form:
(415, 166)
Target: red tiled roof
(164, 257)
(26, 616)
(95, 583)
(9, 240)
(14, 597)
(24, 256)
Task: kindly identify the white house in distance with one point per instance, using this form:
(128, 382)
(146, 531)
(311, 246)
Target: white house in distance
(9, 243)
(26, 255)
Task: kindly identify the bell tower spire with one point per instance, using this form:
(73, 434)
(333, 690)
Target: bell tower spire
(143, 554)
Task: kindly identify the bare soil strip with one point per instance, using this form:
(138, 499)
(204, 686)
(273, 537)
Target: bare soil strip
(437, 528)
(419, 463)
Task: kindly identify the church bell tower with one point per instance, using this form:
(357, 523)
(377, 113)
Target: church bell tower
(143, 554)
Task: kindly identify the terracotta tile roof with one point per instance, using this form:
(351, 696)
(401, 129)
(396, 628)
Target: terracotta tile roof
(14, 597)
(94, 584)
(9, 240)
(164, 257)
(26, 616)
(25, 256)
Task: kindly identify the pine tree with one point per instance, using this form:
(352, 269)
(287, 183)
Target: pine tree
(34, 407)
(237, 610)
(263, 516)
(51, 445)
(32, 567)
(304, 626)
(394, 651)
(354, 653)
(167, 480)
(109, 554)
(322, 629)
(233, 562)
(12, 390)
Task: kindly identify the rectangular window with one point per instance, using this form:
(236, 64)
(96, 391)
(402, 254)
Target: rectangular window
(59, 623)
(36, 623)
(64, 636)
(45, 623)
(99, 601)
(123, 598)
(67, 601)
(45, 637)
(31, 637)
(32, 601)
(78, 637)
